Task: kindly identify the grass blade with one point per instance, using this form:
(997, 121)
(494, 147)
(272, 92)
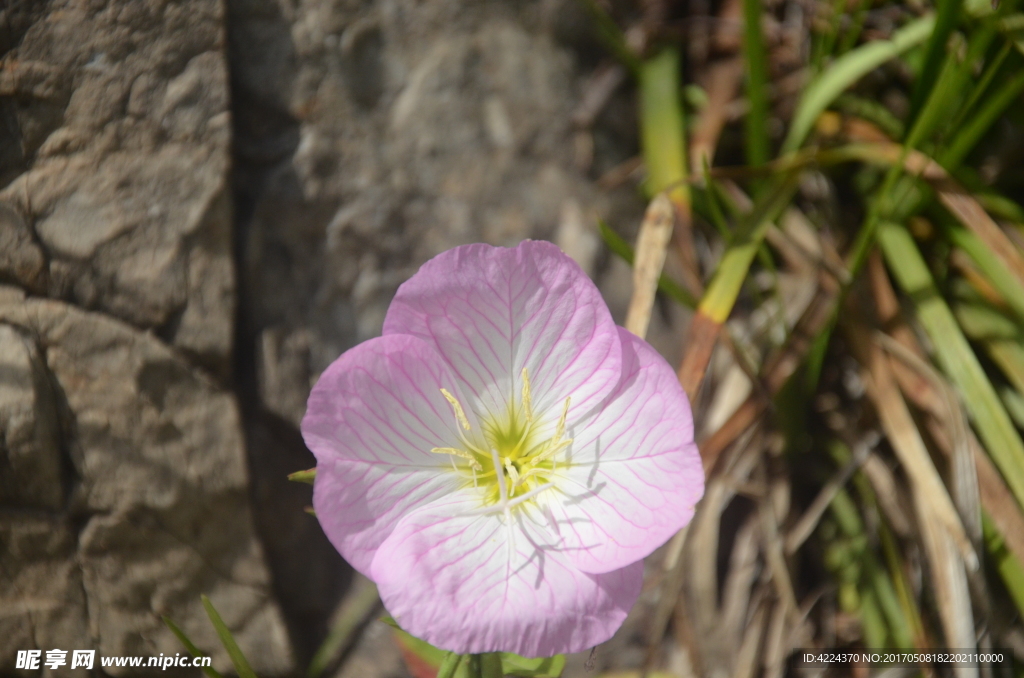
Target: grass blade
(955, 355)
(661, 126)
(979, 122)
(935, 51)
(355, 610)
(1000, 337)
(651, 244)
(930, 493)
(957, 201)
(611, 35)
(725, 286)
(720, 297)
(845, 71)
(1009, 567)
(756, 125)
(238, 659)
(1008, 285)
(192, 649)
(623, 249)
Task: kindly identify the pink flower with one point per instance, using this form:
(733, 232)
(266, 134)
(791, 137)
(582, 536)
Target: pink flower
(502, 459)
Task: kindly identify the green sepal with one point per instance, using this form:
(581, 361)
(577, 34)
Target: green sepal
(307, 476)
(511, 664)
(542, 667)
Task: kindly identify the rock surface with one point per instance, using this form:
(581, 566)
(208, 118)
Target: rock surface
(124, 489)
(157, 512)
(120, 164)
(32, 473)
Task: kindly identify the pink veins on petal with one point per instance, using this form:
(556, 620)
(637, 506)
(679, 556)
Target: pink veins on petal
(502, 459)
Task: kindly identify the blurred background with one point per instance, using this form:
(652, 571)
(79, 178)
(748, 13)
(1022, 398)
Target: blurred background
(204, 203)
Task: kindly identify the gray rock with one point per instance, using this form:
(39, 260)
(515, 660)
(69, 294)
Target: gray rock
(31, 472)
(160, 495)
(121, 166)
(42, 599)
(21, 260)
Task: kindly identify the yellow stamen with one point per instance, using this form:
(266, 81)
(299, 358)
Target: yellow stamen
(527, 401)
(507, 461)
(502, 488)
(526, 476)
(459, 414)
(512, 472)
(560, 431)
(462, 454)
(554, 447)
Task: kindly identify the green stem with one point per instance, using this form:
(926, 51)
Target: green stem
(490, 665)
(449, 665)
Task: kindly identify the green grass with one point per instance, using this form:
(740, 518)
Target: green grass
(957, 66)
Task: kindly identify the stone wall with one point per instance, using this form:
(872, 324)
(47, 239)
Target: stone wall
(123, 476)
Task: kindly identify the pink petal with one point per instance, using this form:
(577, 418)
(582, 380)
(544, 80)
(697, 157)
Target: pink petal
(636, 473)
(453, 580)
(491, 311)
(371, 421)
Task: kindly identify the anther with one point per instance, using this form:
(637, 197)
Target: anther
(459, 414)
(527, 401)
(513, 474)
(554, 446)
(462, 454)
(561, 422)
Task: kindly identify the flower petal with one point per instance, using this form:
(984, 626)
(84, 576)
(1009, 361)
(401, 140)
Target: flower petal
(491, 311)
(469, 584)
(371, 421)
(635, 472)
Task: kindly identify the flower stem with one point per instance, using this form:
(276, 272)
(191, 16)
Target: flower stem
(490, 665)
(449, 665)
